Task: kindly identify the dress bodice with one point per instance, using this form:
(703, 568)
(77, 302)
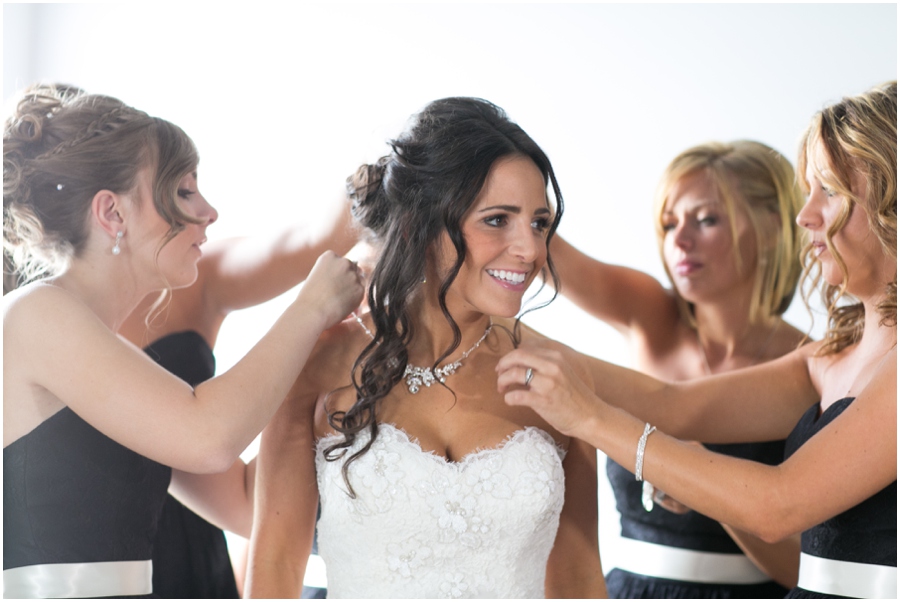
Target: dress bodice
(72, 495)
(185, 354)
(190, 556)
(422, 527)
(866, 533)
(692, 530)
(669, 533)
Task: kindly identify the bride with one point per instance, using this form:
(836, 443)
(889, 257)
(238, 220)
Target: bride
(431, 486)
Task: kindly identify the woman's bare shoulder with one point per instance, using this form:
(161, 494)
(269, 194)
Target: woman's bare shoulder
(35, 292)
(35, 316)
(41, 305)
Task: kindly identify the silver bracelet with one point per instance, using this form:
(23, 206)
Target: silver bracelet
(642, 443)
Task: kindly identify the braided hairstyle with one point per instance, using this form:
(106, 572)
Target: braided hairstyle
(60, 147)
(406, 200)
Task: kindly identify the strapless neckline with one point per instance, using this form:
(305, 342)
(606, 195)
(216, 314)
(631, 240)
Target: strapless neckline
(191, 335)
(839, 406)
(417, 525)
(472, 457)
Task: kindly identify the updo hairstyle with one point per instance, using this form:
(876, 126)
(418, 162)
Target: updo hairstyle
(406, 200)
(60, 147)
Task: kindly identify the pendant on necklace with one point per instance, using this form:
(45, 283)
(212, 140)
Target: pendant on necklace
(417, 377)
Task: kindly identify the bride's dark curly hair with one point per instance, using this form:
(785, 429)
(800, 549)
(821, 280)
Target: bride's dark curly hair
(424, 187)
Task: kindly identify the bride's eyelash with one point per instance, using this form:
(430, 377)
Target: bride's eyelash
(497, 220)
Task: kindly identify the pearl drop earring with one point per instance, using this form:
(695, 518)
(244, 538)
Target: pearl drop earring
(116, 250)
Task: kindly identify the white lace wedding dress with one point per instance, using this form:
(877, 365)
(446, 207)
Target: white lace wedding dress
(423, 527)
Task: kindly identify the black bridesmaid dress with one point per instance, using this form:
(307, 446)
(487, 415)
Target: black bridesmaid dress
(690, 532)
(865, 535)
(80, 513)
(190, 556)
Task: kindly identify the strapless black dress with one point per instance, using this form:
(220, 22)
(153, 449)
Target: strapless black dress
(690, 531)
(72, 495)
(866, 533)
(190, 556)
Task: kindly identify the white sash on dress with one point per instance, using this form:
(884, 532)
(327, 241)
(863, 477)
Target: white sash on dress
(842, 578)
(79, 580)
(315, 572)
(665, 562)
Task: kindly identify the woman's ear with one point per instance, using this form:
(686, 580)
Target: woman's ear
(106, 208)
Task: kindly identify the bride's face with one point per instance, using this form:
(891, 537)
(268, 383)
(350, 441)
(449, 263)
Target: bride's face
(506, 237)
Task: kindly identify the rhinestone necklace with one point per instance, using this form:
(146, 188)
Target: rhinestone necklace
(416, 376)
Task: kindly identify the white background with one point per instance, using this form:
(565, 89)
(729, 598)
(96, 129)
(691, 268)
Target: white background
(285, 101)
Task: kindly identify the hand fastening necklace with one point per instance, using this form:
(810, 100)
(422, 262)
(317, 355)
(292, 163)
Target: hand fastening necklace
(417, 376)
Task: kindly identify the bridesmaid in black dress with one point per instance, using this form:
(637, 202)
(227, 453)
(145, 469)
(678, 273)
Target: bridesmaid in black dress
(101, 208)
(724, 216)
(834, 401)
(190, 556)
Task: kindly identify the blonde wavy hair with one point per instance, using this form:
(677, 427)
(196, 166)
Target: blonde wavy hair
(761, 181)
(858, 134)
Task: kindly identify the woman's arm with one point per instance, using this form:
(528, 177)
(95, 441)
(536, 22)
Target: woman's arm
(238, 273)
(286, 498)
(759, 403)
(224, 499)
(848, 461)
(62, 347)
(624, 298)
(779, 560)
(244, 272)
(573, 569)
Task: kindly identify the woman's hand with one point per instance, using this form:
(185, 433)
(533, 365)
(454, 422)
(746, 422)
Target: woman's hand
(554, 391)
(334, 286)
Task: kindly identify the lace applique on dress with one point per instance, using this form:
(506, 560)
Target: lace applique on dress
(423, 527)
